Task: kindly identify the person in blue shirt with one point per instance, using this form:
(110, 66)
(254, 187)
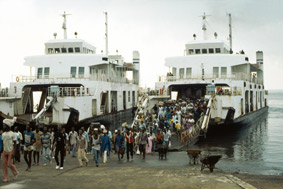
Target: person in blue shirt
(119, 141)
(87, 138)
(29, 139)
(105, 145)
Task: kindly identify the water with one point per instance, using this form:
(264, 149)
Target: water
(256, 149)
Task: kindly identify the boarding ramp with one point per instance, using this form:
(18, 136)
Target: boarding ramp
(142, 107)
(200, 128)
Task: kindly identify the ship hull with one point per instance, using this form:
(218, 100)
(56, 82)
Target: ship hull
(111, 121)
(242, 121)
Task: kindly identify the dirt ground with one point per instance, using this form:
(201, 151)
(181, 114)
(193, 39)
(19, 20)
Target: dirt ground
(175, 172)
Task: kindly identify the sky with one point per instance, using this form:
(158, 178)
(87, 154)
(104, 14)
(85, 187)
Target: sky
(156, 28)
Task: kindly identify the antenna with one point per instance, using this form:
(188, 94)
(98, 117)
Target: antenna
(204, 25)
(106, 33)
(65, 24)
(230, 32)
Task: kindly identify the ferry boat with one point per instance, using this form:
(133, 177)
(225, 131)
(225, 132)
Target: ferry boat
(76, 85)
(211, 70)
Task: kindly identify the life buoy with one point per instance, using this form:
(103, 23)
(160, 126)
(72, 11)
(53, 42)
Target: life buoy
(15, 89)
(17, 79)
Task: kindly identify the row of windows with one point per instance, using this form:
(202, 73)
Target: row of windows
(205, 51)
(44, 72)
(40, 72)
(223, 71)
(74, 72)
(69, 50)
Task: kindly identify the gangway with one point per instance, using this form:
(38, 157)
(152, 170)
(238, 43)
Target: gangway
(201, 126)
(142, 106)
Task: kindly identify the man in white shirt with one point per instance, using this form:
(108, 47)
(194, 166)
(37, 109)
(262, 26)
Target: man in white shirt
(9, 145)
(18, 145)
(73, 141)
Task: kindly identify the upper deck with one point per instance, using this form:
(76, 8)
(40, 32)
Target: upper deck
(213, 59)
(75, 59)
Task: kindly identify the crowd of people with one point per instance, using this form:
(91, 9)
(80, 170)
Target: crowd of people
(151, 131)
(171, 116)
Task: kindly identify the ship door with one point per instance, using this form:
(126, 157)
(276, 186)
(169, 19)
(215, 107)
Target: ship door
(133, 99)
(247, 101)
(242, 106)
(260, 100)
(94, 107)
(256, 101)
(113, 101)
(103, 102)
(124, 100)
(251, 101)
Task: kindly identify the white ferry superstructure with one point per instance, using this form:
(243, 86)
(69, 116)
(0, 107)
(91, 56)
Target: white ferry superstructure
(210, 69)
(77, 85)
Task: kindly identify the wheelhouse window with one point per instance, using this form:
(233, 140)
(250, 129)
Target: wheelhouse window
(204, 51)
(216, 72)
(181, 73)
(217, 50)
(50, 50)
(57, 50)
(223, 72)
(81, 72)
(174, 70)
(197, 51)
(64, 50)
(77, 49)
(188, 72)
(70, 50)
(46, 72)
(39, 73)
(73, 72)
(191, 51)
(210, 51)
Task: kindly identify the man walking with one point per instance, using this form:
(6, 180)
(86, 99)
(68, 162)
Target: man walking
(130, 143)
(73, 141)
(29, 139)
(18, 145)
(105, 145)
(82, 148)
(95, 142)
(178, 127)
(143, 141)
(37, 145)
(46, 146)
(59, 142)
(9, 146)
(119, 141)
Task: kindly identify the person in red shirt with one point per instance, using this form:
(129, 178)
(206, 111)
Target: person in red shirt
(130, 143)
(159, 137)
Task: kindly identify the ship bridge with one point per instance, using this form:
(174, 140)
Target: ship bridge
(198, 47)
(69, 46)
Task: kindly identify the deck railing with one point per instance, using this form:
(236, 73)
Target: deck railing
(69, 91)
(238, 76)
(93, 77)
